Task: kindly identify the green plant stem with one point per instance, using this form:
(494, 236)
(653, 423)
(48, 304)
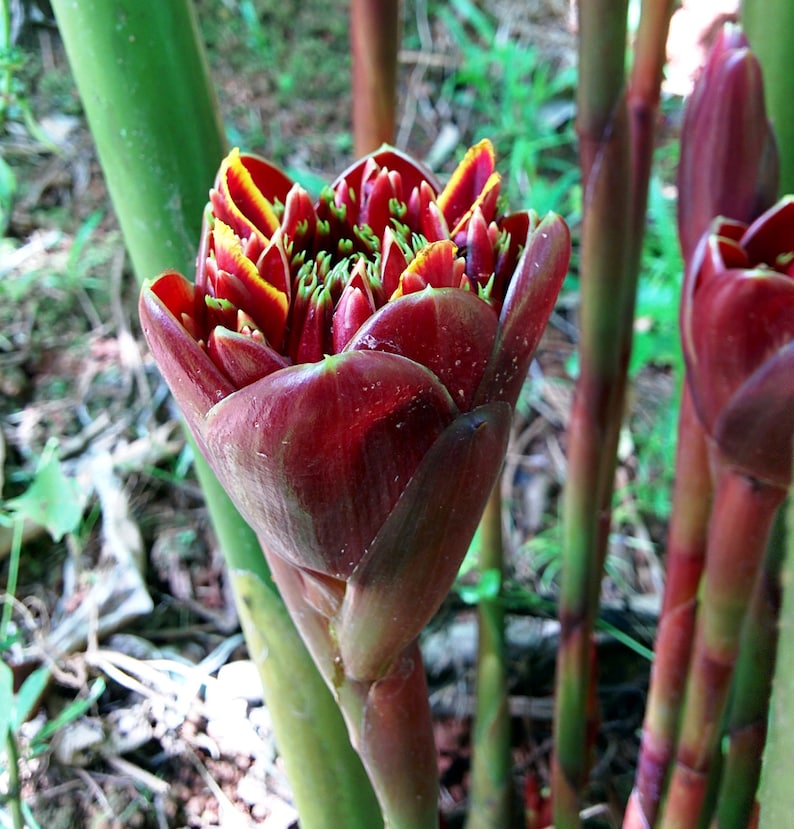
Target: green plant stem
(749, 707)
(738, 535)
(145, 87)
(490, 795)
(14, 793)
(768, 24)
(686, 552)
(602, 125)
(374, 40)
(776, 791)
(143, 79)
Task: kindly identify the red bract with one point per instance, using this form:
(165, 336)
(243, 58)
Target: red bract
(729, 162)
(349, 367)
(738, 334)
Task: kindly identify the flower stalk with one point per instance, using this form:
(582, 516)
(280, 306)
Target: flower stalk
(728, 165)
(686, 555)
(737, 326)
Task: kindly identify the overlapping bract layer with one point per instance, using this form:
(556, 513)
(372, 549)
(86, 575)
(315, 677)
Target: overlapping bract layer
(729, 161)
(738, 334)
(349, 368)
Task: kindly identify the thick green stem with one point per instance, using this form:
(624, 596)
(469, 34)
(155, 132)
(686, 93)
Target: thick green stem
(374, 40)
(686, 551)
(749, 707)
(490, 797)
(143, 79)
(776, 792)
(144, 83)
(738, 534)
(14, 796)
(768, 24)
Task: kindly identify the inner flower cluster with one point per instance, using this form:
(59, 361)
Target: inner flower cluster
(299, 279)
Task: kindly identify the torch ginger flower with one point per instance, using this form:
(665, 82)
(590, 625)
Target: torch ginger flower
(738, 336)
(349, 369)
(729, 161)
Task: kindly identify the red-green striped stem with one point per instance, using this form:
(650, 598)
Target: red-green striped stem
(740, 525)
(645, 82)
(749, 707)
(686, 551)
(616, 130)
(604, 157)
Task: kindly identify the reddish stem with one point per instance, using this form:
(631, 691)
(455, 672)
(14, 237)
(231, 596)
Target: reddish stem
(374, 40)
(742, 516)
(686, 551)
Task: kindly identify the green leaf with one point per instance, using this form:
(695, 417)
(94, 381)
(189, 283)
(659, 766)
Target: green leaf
(53, 499)
(487, 587)
(8, 189)
(6, 700)
(72, 712)
(29, 694)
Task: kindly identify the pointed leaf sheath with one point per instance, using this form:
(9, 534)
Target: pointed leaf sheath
(738, 334)
(350, 383)
(729, 161)
(421, 544)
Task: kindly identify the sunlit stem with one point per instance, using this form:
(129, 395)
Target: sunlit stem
(768, 24)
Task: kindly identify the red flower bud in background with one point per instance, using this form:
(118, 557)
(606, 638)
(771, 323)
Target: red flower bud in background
(729, 163)
(738, 336)
(349, 367)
